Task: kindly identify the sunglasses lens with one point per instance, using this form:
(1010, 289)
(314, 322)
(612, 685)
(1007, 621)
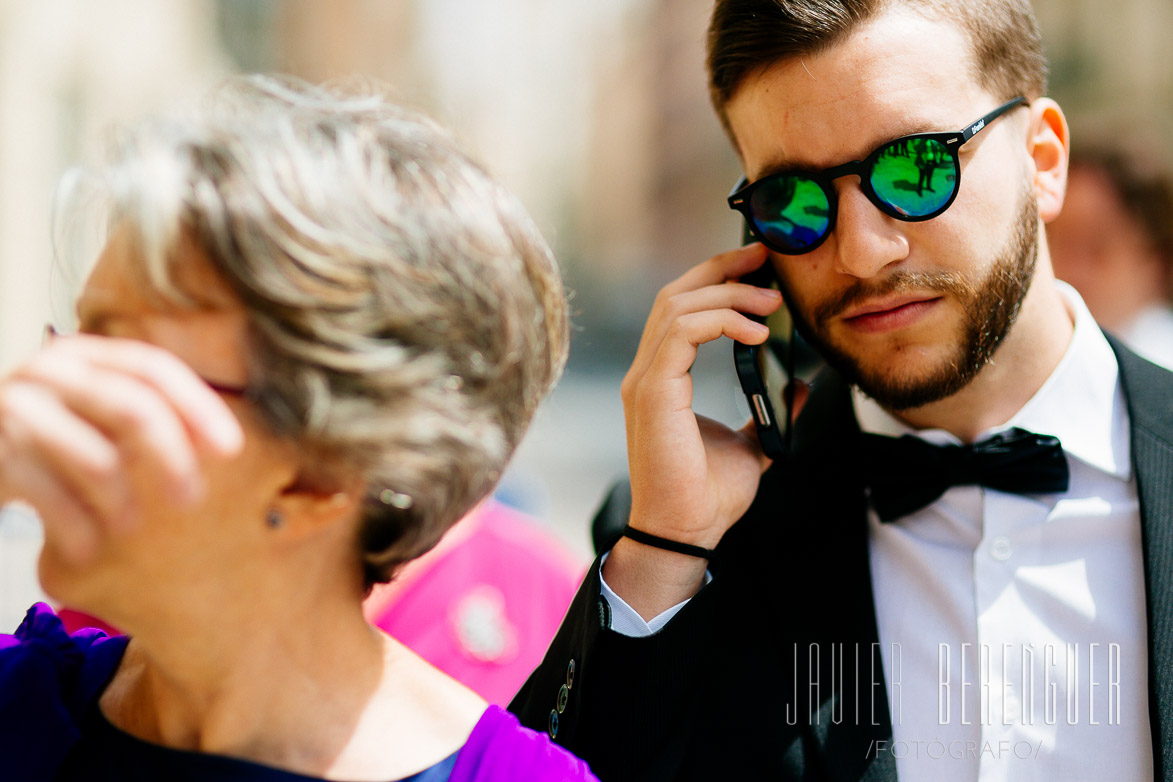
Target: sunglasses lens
(791, 213)
(916, 177)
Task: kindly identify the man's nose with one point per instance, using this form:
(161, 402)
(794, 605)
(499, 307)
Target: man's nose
(865, 240)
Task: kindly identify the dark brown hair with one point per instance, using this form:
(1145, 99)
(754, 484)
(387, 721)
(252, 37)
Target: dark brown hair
(1141, 177)
(746, 36)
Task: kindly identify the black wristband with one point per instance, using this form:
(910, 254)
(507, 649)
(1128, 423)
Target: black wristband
(655, 541)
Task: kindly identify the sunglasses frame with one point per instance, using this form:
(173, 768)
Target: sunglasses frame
(51, 333)
(739, 199)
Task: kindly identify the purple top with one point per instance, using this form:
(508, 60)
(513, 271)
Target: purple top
(500, 749)
(49, 686)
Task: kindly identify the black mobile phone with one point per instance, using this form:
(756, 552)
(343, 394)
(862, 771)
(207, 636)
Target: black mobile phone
(766, 371)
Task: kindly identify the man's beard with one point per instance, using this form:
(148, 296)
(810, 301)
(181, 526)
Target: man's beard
(991, 306)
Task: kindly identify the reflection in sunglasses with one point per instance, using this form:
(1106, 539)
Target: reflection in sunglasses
(911, 178)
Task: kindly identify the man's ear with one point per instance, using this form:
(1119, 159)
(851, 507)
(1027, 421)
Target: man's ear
(1049, 144)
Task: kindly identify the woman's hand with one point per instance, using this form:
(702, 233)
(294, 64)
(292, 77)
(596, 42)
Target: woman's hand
(691, 478)
(91, 428)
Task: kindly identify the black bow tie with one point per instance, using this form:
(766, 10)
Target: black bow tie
(906, 474)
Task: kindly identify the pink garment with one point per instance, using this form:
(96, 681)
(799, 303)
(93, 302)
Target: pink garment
(76, 620)
(485, 603)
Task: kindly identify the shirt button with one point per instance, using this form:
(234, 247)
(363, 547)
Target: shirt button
(570, 675)
(1000, 548)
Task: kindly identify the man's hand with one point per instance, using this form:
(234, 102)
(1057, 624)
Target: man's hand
(691, 478)
(92, 428)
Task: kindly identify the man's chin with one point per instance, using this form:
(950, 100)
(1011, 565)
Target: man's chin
(903, 387)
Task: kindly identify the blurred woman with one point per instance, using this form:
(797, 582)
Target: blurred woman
(1113, 241)
(313, 338)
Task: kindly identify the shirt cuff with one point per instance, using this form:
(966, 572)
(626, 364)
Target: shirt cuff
(625, 620)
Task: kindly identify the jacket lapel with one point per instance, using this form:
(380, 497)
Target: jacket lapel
(824, 436)
(1148, 390)
(852, 722)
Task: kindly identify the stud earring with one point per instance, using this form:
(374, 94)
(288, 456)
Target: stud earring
(396, 499)
(274, 519)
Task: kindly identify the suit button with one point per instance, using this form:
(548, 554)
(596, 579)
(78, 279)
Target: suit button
(552, 724)
(604, 613)
(570, 675)
(563, 697)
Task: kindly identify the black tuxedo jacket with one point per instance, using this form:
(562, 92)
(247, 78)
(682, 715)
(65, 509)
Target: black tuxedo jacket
(773, 671)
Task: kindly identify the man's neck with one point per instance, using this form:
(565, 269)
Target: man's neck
(1021, 365)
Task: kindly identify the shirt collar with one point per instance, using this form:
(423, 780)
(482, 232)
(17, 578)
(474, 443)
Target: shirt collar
(1081, 403)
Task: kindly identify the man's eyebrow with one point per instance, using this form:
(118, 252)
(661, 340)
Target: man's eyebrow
(780, 164)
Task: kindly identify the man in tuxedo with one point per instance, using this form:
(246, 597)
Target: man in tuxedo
(962, 568)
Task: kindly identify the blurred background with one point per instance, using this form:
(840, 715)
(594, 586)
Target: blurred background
(596, 114)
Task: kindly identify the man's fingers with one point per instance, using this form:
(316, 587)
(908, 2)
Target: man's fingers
(720, 268)
(668, 309)
(750, 431)
(677, 351)
(729, 296)
(733, 295)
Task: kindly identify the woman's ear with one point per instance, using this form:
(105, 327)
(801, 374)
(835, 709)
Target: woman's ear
(307, 510)
(1049, 145)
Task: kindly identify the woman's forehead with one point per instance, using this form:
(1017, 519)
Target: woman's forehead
(121, 280)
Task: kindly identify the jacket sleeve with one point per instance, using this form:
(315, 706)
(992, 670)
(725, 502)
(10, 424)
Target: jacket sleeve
(622, 704)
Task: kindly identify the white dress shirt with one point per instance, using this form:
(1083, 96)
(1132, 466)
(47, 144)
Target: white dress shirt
(1006, 598)
(1012, 627)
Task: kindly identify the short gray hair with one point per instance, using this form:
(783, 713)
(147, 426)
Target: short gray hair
(405, 315)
